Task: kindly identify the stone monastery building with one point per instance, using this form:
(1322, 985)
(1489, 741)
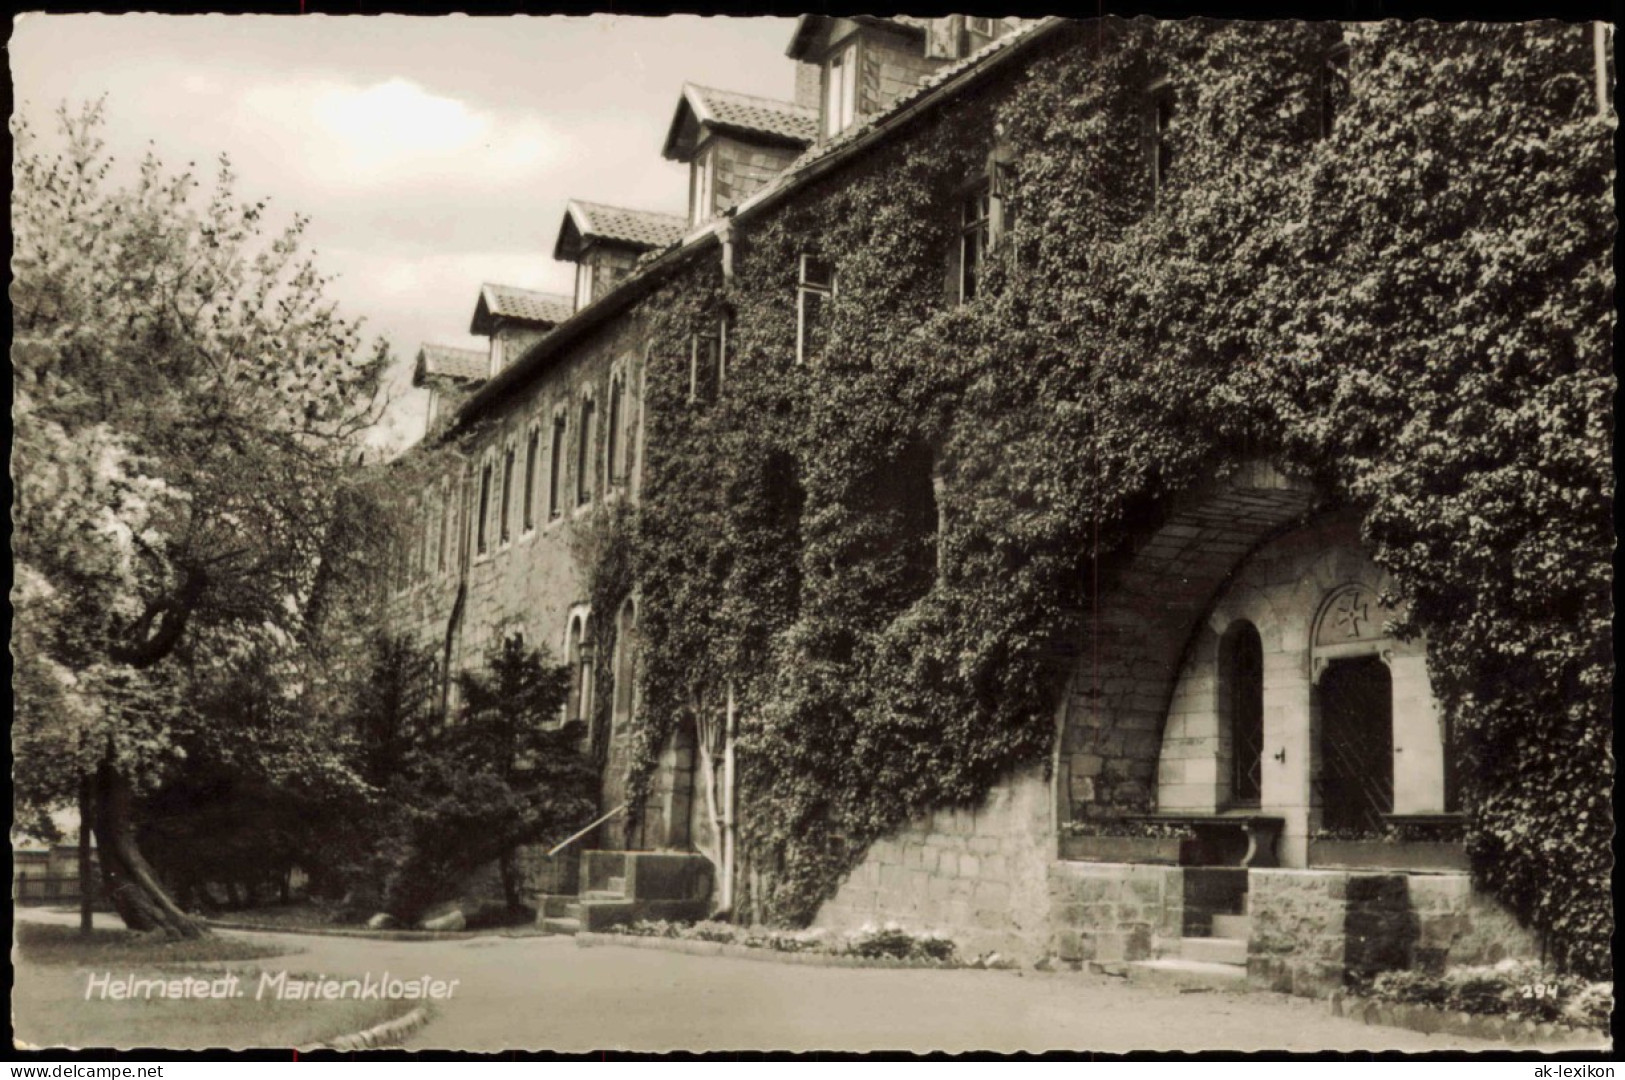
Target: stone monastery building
(1237, 702)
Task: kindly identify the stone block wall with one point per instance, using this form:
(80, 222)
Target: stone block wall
(979, 875)
(1104, 912)
(1313, 930)
(1459, 926)
(1299, 936)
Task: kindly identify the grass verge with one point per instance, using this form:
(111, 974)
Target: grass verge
(51, 1006)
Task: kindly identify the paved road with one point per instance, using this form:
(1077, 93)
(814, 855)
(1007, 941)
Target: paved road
(545, 993)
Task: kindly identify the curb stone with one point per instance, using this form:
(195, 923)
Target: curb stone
(1430, 1021)
(342, 931)
(587, 940)
(388, 1033)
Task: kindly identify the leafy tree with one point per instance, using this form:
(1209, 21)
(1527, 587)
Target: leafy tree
(503, 775)
(186, 406)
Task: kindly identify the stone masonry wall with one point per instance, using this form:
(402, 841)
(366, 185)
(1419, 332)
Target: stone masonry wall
(1105, 912)
(1314, 929)
(978, 875)
(1298, 930)
(1458, 926)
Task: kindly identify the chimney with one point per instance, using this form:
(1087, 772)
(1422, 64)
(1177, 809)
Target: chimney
(808, 77)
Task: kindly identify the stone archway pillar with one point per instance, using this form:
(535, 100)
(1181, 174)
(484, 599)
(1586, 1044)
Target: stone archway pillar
(1418, 737)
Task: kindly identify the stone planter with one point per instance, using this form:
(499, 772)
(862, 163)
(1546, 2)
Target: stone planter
(1122, 849)
(1383, 855)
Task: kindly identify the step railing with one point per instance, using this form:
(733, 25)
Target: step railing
(577, 836)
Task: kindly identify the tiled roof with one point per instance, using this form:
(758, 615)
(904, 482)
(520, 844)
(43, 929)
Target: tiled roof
(507, 302)
(930, 82)
(642, 228)
(446, 362)
(744, 111)
(641, 280)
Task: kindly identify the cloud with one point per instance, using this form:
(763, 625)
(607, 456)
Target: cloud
(395, 134)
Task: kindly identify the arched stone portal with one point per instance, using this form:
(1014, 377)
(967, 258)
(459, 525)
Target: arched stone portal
(1349, 732)
(1138, 629)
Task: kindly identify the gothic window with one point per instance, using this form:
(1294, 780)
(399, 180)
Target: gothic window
(1241, 690)
(533, 448)
(507, 493)
(578, 653)
(482, 542)
(584, 437)
(555, 467)
(614, 437)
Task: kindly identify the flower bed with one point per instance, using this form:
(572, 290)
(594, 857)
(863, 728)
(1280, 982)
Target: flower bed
(1126, 840)
(888, 942)
(1518, 991)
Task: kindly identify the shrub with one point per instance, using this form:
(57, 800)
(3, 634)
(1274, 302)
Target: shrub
(1522, 990)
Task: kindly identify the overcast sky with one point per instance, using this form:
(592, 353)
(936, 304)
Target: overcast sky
(431, 153)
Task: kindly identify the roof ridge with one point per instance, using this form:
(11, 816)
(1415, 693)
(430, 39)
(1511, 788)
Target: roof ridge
(585, 203)
(567, 298)
(786, 102)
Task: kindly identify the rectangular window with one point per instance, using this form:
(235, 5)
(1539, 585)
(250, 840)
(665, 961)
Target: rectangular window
(481, 538)
(584, 455)
(1159, 119)
(975, 238)
(708, 362)
(583, 284)
(443, 542)
(1334, 89)
(533, 446)
(814, 289)
(507, 493)
(425, 536)
(555, 470)
(841, 90)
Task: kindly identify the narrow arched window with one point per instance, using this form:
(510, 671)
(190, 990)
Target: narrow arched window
(1241, 703)
(584, 454)
(612, 437)
(625, 661)
(578, 653)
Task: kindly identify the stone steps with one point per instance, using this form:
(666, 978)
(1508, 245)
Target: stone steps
(561, 925)
(1233, 926)
(1182, 974)
(1215, 950)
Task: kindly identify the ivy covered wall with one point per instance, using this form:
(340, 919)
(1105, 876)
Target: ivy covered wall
(1413, 311)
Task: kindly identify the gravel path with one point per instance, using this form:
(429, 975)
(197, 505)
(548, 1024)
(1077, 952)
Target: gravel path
(544, 993)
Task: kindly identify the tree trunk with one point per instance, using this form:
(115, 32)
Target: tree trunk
(507, 866)
(86, 885)
(131, 886)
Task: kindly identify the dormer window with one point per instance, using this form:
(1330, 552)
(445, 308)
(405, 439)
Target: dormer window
(583, 284)
(704, 173)
(841, 90)
(981, 31)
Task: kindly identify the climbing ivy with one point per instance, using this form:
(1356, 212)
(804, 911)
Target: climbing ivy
(1413, 309)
